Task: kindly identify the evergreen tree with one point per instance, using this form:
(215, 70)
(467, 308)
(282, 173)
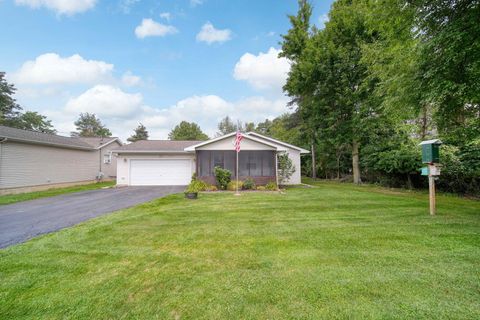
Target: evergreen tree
(88, 125)
(226, 126)
(140, 133)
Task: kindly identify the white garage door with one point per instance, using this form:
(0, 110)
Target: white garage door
(160, 172)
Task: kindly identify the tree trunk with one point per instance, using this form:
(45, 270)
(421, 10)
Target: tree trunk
(338, 167)
(424, 123)
(409, 182)
(314, 165)
(355, 163)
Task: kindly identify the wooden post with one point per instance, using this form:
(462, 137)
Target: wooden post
(431, 193)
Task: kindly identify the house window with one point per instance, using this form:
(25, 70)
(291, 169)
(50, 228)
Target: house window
(107, 158)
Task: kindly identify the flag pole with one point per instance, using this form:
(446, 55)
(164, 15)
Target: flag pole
(236, 175)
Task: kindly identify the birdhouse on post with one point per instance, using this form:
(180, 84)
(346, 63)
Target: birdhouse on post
(431, 151)
(431, 156)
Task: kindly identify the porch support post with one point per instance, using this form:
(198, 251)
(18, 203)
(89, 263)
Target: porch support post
(275, 153)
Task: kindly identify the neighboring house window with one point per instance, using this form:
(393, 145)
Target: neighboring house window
(107, 158)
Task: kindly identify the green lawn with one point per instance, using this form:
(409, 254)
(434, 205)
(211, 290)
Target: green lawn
(335, 251)
(12, 198)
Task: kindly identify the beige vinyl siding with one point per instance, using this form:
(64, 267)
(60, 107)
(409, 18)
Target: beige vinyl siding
(110, 169)
(23, 164)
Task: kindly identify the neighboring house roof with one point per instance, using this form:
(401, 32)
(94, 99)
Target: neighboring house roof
(42, 138)
(146, 146)
(278, 142)
(35, 137)
(203, 143)
(100, 142)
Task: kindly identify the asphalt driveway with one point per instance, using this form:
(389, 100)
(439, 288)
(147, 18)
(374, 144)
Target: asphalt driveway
(24, 220)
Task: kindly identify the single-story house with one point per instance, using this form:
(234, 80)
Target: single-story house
(165, 162)
(31, 161)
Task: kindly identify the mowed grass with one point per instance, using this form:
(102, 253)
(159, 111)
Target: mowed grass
(335, 251)
(12, 198)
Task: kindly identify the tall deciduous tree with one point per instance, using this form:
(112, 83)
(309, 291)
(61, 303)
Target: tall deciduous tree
(140, 133)
(11, 112)
(449, 33)
(9, 109)
(88, 125)
(187, 131)
(35, 122)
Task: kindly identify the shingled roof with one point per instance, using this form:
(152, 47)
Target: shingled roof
(35, 137)
(156, 146)
(98, 142)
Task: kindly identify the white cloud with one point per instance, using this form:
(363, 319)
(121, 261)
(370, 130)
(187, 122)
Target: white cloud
(322, 20)
(263, 71)
(126, 5)
(106, 101)
(195, 3)
(121, 112)
(50, 68)
(209, 34)
(150, 28)
(166, 15)
(68, 7)
(129, 79)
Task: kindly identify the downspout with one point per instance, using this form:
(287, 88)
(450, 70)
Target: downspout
(2, 141)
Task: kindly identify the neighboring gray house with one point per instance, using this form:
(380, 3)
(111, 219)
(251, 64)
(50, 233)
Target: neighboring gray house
(165, 162)
(32, 160)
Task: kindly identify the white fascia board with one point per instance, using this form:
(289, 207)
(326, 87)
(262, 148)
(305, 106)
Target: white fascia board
(279, 142)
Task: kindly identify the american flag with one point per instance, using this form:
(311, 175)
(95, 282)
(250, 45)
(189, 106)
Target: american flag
(238, 139)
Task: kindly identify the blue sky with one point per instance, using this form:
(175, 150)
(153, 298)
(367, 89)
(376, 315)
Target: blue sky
(155, 62)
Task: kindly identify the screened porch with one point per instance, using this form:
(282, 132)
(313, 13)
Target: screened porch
(256, 164)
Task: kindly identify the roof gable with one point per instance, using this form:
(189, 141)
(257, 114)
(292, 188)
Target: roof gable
(224, 143)
(100, 142)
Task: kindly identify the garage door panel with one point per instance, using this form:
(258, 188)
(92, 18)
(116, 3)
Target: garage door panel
(160, 172)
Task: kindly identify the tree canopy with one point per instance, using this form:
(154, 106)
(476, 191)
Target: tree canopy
(377, 79)
(88, 125)
(187, 131)
(11, 112)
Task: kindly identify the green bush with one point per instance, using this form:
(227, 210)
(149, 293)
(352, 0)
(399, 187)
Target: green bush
(271, 186)
(261, 188)
(249, 184)
(223, 177)
(232, 185)
(196, 186)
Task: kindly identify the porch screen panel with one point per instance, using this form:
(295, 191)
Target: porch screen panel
(243, 164)
(203, 158)
(268, 164)
(218, 160)
(229, 161)
(255, 163)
